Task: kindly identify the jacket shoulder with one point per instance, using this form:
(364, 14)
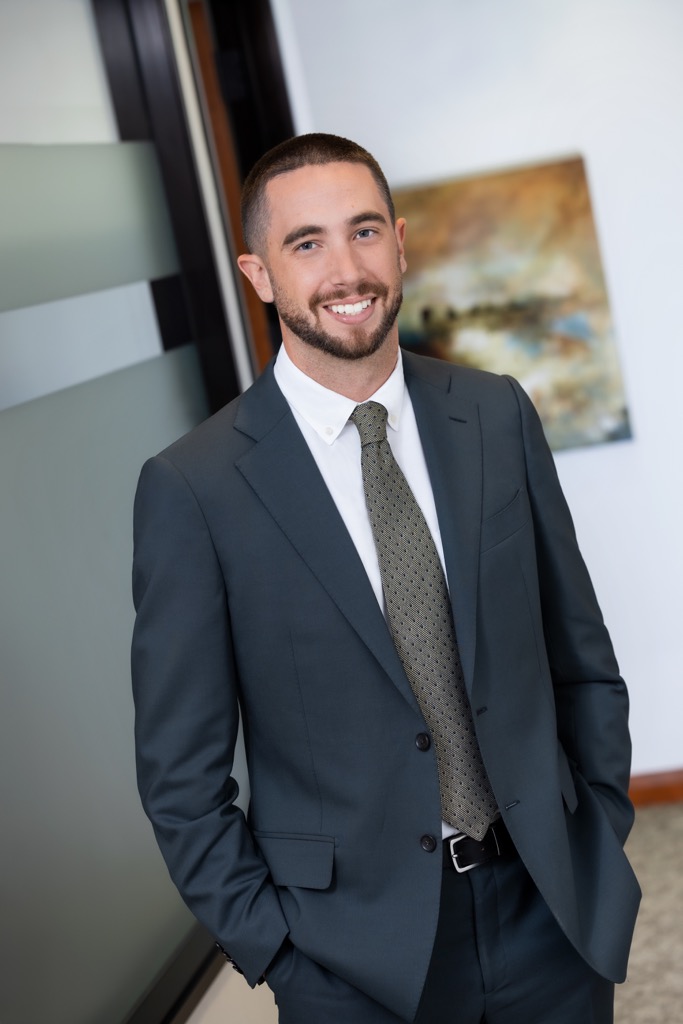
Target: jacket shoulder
(468, 381)
(209, 435)
(222, 438)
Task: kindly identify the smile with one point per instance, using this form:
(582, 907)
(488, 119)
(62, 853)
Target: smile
(351, 309)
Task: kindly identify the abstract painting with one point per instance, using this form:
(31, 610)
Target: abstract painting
(504, 273)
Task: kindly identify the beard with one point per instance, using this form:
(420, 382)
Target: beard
(361, 343)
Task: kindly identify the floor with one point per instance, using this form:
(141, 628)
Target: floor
(653, 993)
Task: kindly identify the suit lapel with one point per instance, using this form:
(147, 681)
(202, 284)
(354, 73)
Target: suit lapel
(451, 439)
(282, 473)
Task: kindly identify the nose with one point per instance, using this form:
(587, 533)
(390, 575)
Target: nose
(345, 265)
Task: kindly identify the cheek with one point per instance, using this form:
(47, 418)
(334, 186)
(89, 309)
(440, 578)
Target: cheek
(391, 265)
(295, 295)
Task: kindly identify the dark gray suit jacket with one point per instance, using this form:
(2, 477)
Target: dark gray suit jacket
(250, 595)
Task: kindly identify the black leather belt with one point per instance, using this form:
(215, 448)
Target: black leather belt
(464, 853)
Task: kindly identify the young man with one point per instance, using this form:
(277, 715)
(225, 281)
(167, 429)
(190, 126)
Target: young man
(369, 555)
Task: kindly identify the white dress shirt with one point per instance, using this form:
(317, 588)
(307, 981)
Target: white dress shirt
(323, 417)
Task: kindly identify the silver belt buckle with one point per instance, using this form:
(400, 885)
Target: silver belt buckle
(452, 842)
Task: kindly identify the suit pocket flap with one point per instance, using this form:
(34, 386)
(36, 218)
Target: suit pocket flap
(509, 520)
(295, 860)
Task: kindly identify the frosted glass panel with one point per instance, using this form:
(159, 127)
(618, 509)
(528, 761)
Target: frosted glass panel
(88, 912)
(83, 218)
(57, 344)
(53, 87)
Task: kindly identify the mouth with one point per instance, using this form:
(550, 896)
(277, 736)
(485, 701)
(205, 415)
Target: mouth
(351, 312)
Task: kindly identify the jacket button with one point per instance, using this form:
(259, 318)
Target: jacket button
(428, 844)
(423, 741)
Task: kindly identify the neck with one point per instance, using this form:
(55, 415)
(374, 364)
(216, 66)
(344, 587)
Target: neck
(356, 379)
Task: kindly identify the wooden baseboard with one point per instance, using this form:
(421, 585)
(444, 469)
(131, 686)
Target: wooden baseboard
(657, 788)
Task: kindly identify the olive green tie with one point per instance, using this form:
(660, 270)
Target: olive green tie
(421, 624)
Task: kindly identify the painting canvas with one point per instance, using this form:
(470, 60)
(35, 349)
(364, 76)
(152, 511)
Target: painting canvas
(504, 273)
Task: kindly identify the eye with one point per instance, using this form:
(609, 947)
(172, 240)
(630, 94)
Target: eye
(306, 247)
(366, 233)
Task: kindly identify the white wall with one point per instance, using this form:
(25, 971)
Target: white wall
(447, 87)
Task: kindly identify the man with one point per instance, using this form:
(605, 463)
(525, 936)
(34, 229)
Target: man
(435, 726)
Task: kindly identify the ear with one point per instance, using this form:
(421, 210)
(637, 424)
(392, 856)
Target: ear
(253, 267)
(400, 230)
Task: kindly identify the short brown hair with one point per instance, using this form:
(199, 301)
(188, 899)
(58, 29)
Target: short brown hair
(300, 151)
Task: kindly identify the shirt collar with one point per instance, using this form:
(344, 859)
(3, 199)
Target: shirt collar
(327, 412)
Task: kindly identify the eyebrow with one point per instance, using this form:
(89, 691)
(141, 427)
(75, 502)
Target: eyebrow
(297, 233)
(317, 229)
(371, 215)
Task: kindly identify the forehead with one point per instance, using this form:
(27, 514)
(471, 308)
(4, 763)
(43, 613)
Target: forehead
(321, 194)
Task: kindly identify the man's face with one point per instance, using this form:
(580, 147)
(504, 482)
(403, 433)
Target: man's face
(333, 261)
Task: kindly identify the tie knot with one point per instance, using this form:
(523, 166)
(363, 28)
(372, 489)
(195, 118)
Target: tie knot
(371, 421)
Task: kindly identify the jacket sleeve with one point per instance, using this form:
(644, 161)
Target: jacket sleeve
(590, 695)
(187, 716)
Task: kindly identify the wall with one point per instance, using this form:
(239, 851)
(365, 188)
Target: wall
(449, 87)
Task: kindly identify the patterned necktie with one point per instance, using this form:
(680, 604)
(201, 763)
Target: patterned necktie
(421, 624)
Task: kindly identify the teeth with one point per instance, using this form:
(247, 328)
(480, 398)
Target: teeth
(351, 310)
